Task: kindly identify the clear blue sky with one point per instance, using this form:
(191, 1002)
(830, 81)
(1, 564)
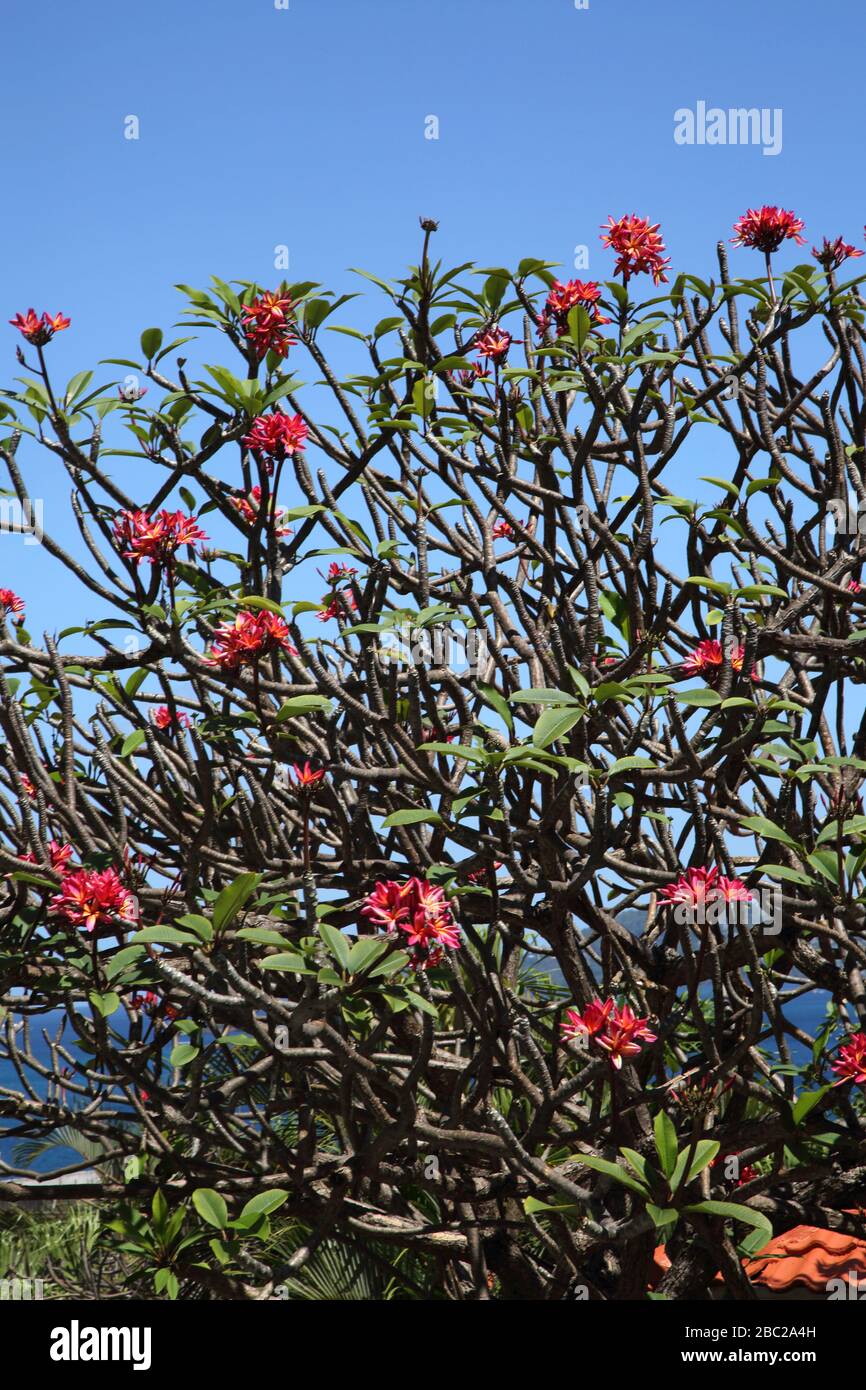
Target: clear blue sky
(261, 126)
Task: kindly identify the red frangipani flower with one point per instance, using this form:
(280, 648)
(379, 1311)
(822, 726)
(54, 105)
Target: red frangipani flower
(39, 331)
(155, 538)
(89, 899)
(494, 344)
(247, 639)
(764, 229)
(276, 436)
(164, 719)
(563, 298)
(59, 855)
(388, 904)
(692, 887)
(618, 1031)
(11, 603)
(307, 776)
(419, 909)
(479, 371)
(267, 323)
(638, 246)
(623, 1035)
(485, 874)
(591, 1022)
(248, 507)
(833, 253)
(502, 531)
(334, 608)
(707, 660)
(698, 886)
(850, 1065)
(151, 1004)
(337, 573)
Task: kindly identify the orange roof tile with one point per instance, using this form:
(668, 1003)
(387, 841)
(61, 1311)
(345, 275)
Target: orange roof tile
(807, 1255)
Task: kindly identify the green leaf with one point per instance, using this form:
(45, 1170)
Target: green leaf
(666, 1142)
(767, 830)
(492, 697)
(337, 944)
(413, 817)
(302, 704)
(200, 925)
(717, 586)
(132, 741)
(211, 1207)
(287, 961)
(665, 1218)
(365, 952)
(701, 697)
(232, 899)
(263, 936)
(182, 1054)
(105, 1004)
(783, 871)
(705, 1152)
(611, 1170)
(531, 1205)
(421, 1003)
(151, 342)
(390, 966)
(543, 695)
(579, 326)
(166, 935)
(553, 724)
(735, 1211)
(257, 601)
(806, 1102)
(263, 1205)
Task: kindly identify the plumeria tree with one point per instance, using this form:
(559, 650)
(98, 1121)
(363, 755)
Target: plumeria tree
(444, 846)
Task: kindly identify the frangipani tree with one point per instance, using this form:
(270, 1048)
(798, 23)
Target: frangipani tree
(495, 894)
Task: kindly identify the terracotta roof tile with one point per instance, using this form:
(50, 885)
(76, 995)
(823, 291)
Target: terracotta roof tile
(805, 1255)
(808, 1255)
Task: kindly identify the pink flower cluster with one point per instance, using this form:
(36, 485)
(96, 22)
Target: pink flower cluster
(248, 507)
(267, 323)
(698, 886)
(150, 1003)
(420, 910)
(163, 718)
(58, 854)
(89, 898)
(493, 345)
(850, 1065)
(764, 229)
(618, 1031)
(576, 294)
(247, 639)
(707, 660)
(276, 436)
(638, 246)
(39, 331)
(11, 603)
(155, 538)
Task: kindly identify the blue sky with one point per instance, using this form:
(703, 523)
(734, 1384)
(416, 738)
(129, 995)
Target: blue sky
(306, 127)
